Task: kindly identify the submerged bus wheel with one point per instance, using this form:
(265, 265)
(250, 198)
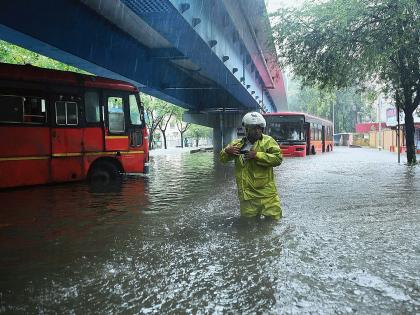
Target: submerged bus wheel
(313, 150)
(104, 173)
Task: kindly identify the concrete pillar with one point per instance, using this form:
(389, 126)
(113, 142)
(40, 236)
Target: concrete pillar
(224, 125)
(222, 137)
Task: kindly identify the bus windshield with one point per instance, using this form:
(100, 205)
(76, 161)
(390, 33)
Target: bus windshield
(286, 128)
(136, 113)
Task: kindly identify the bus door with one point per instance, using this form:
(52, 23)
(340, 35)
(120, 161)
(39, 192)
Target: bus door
(116, 131)
(307, 127)
(66, 138)
(323, 138)
(137, 123)
(137, 133)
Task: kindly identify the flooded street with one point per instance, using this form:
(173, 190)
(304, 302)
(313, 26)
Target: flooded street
(349, 241)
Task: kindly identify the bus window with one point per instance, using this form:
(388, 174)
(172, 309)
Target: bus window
(116, 114)
(11, 108)
(34, 110)
(285, 128)
(92, 107)
(66, 113)
(135, 117)
(72, 118)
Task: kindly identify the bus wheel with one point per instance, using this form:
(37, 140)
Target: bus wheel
(328, 148)
(313, 150)
(104, 173)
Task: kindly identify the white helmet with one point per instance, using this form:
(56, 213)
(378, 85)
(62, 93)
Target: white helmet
(253, 119)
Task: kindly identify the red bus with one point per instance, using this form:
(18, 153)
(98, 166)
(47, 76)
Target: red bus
(300, 134)
(59, 126)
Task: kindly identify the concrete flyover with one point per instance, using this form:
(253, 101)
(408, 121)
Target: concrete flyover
(215, 58)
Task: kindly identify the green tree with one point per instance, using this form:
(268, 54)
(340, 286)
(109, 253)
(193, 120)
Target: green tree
(155, 112)
(346, 103)
(197, 132)
(158, 115)
(167, 112)
(342, 43)
(312, 100)
(181, 125)
(10, 53)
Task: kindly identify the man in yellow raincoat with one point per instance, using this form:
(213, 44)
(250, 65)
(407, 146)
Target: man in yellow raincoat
(255, 156)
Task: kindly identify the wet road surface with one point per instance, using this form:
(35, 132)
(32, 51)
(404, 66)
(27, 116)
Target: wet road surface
(349, 241)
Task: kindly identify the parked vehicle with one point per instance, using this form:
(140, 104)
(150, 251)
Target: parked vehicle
(59, 126)
(300, 134)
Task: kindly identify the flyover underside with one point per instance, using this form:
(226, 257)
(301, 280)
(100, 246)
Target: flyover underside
(103, 50)
(83, 38)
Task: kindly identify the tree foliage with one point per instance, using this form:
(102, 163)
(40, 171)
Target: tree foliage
(10, 53)
(198, 132)
(158, 114)
(349, 105)
(168, 111)
(180, 124)
(343, 43)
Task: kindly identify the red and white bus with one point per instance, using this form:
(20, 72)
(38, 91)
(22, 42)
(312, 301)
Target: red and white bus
(59, 126)
(300, 134)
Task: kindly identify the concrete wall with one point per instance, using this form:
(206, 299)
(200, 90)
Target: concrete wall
(386, 139)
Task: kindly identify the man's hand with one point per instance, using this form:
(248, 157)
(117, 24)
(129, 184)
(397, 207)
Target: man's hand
(250, 155)
(231, 150)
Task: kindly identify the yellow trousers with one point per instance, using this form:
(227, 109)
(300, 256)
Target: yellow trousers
(269, 207)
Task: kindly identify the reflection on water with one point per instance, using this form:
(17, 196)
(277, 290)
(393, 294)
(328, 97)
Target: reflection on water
(173, 242)
(41, 220)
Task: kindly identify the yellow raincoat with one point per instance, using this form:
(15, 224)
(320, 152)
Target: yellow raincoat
(255, 179)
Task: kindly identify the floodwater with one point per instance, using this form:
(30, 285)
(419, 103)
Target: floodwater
(349, 241)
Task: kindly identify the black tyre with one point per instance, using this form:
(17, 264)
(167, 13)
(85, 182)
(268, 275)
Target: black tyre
(104, 173)
(313, 152)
